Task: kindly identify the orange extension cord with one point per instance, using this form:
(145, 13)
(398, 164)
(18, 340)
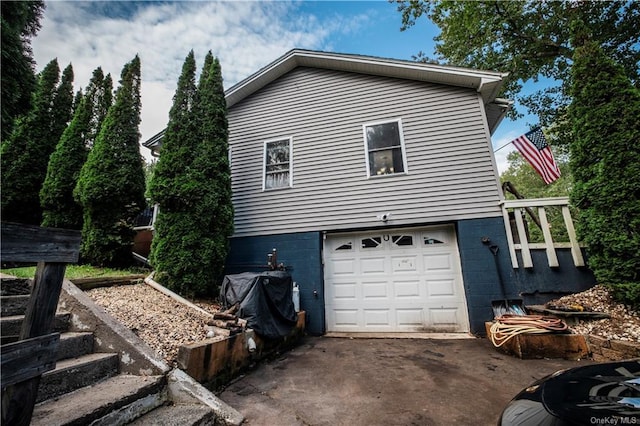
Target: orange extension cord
(508, 326)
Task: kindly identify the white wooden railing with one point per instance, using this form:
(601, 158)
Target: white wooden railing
(537, 205)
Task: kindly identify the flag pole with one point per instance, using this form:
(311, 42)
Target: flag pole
(496, 150)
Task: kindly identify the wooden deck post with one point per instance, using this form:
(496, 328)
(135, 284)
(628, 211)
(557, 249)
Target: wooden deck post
(52, 249)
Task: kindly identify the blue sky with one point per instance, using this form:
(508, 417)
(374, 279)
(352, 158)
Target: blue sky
(244, 35)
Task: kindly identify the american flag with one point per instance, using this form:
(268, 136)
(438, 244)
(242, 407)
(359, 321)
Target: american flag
(534, 148)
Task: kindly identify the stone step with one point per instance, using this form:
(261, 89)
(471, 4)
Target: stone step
(177, 414)
(13, 305)
(10, 325)
(75, 373)
(115, 401)
(74, 344)
(15, 286)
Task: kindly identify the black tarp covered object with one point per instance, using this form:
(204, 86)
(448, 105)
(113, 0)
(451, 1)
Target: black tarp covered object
(265, 300)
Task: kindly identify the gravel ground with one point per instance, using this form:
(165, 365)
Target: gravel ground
(624, 323)
(165, 324)
(162, 322)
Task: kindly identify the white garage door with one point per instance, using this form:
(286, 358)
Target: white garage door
(395, 280)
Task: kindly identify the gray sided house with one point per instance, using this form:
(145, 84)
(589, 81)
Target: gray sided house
(375, 181)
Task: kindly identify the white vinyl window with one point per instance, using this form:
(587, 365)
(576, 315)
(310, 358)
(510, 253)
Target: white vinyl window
(277, 170)
(384, 146)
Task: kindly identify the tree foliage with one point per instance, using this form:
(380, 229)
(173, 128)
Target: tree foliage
(25, 154)
(20, 22)
(530, 40)
(111, 184)
(191, 182)
(60, 209)
(605, 161)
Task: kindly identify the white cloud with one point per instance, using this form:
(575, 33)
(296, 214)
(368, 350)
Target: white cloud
(245, 36)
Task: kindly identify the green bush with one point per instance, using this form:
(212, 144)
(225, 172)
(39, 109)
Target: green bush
(626, 293)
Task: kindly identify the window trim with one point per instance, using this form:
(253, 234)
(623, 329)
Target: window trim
(289, 139)
(402, 147)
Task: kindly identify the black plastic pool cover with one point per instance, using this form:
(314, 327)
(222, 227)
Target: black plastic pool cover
(265, 301)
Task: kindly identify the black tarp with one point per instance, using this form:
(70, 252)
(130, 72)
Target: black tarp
(265, 300)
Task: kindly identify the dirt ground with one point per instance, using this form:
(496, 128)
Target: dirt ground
(343, 381)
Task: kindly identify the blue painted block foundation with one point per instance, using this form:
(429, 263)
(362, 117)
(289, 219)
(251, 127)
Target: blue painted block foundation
(487, 277)
(301, 254)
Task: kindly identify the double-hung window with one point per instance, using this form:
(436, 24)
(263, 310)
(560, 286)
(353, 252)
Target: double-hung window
(277, 164)
(384, 146)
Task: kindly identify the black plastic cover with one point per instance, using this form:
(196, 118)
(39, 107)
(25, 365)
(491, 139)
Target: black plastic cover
(265, 300)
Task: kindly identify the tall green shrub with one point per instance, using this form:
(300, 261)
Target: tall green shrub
(212, 166)
(192, 185)
(111, 184)
(20, 22)
(59, 208)
(605, 161)
(176, 236)
(25, 155)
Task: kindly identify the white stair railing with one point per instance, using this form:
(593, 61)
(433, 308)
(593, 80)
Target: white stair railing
(518, 208)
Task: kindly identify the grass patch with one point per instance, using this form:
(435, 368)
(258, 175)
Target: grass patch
(78, 271)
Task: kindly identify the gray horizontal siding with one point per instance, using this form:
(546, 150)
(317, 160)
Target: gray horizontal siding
(451, 176)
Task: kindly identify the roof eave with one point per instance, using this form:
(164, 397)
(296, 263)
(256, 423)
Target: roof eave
(487, 83)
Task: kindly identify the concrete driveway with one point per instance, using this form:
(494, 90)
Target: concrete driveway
(344, 381)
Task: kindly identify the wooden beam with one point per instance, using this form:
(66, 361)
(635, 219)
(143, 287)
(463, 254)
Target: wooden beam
(576, 252)
(552, 258)
(28, 243)
(524, 242)
(510, 242)
(26, 359)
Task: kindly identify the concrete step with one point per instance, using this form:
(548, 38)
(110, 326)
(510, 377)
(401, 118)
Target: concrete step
(75, 373)
(114, 401)
(13, 305)
(10, 325)
(177, 414)
(74, 344)
(15, 286)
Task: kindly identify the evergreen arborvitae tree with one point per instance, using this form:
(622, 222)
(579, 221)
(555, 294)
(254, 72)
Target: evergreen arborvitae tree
(25, 154)
(59, 208)
(111, 183)
(20, 22)
(605, 162)
(192, 184)
(172, 186)
(212, 168)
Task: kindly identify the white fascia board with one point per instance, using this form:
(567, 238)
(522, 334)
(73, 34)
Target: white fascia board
(487, 83)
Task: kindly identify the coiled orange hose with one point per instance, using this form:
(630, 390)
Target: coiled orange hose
(508, 326)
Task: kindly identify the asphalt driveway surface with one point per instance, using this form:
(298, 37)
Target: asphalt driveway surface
(343, 381)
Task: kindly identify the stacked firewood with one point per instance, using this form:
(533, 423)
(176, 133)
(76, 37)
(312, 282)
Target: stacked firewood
(227, 323)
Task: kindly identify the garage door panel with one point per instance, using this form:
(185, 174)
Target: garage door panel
(394, 280)
(436, 262)
(373, 265)
(400, 264)
(375, 290)
(441, 287)
(345, 317)
(407, 289)
(410, 317)
(444, 317)
(376, 317)
(345, 291)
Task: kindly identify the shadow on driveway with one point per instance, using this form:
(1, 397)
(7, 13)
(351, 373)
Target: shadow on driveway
(342, 381)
